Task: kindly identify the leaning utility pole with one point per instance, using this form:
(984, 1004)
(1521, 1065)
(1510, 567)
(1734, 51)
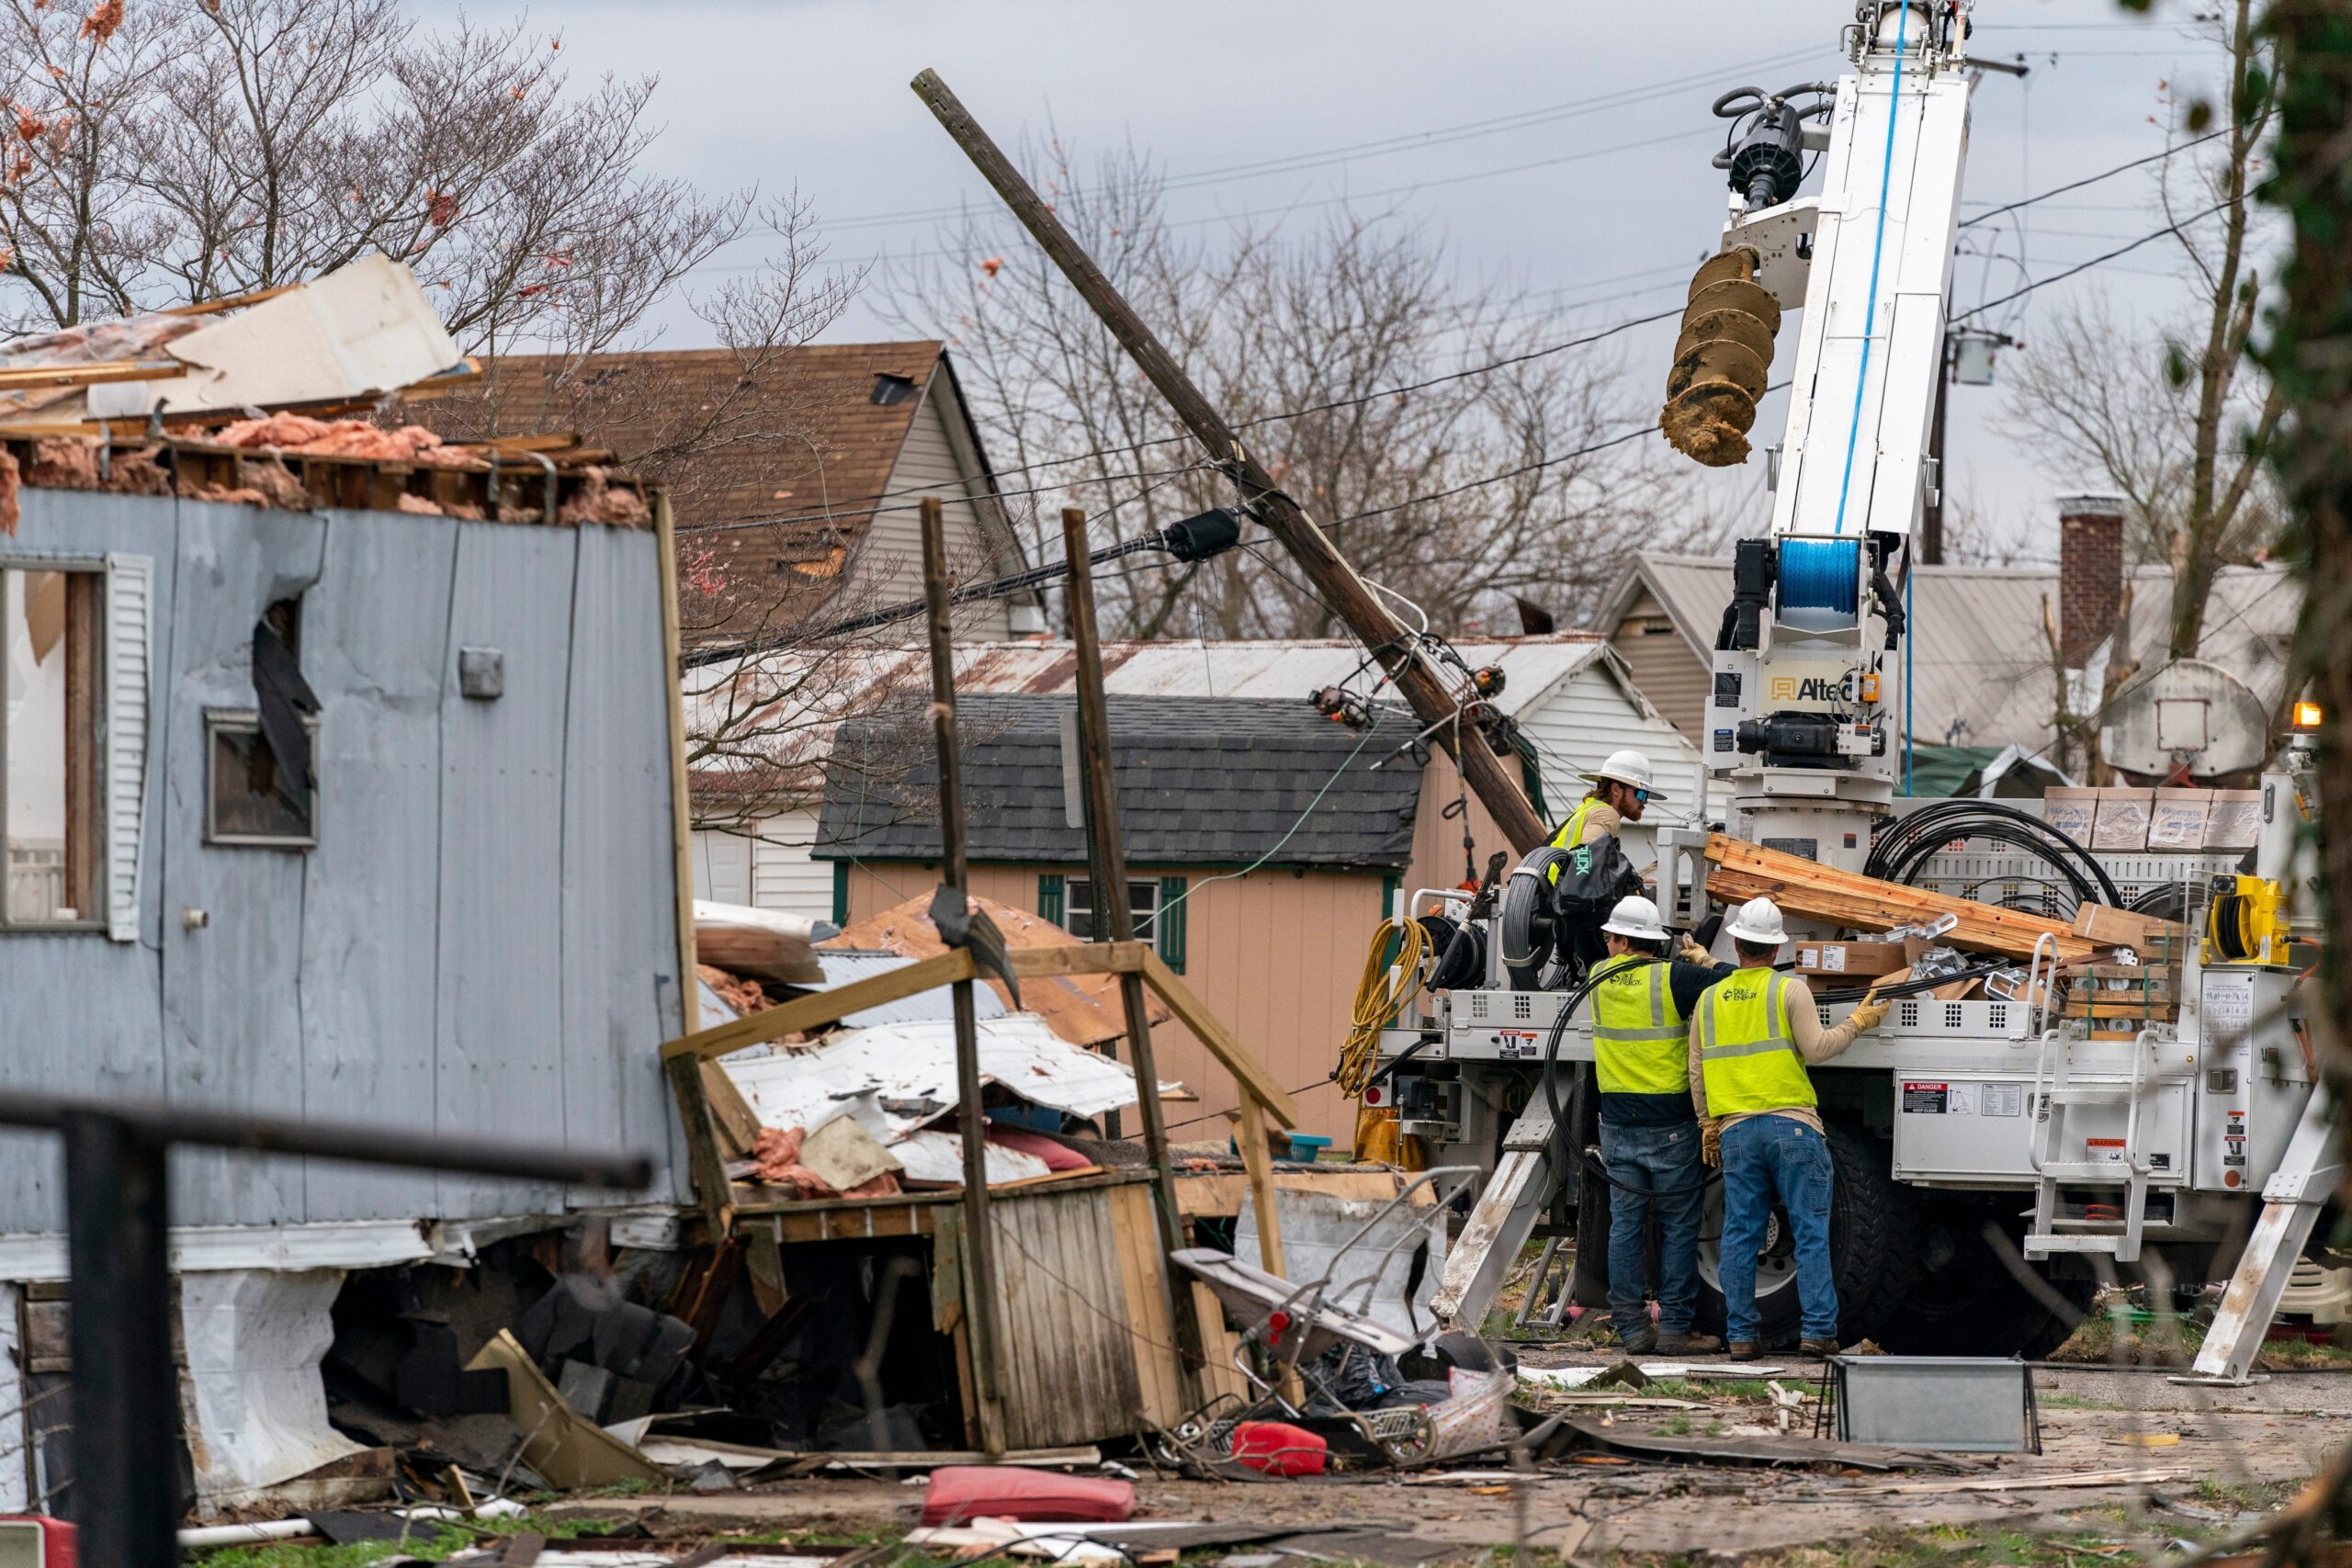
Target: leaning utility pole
(1333, 578)
(979, 1243)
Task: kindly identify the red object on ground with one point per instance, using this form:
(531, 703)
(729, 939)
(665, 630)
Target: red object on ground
(961, 1493)
(1279, 1448)
(37, 1539)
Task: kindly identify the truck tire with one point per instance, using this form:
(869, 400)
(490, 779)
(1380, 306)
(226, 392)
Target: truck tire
(1873, 1222)
(1967, 1299)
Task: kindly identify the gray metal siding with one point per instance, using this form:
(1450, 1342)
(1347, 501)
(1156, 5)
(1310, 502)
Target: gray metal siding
(483, 938)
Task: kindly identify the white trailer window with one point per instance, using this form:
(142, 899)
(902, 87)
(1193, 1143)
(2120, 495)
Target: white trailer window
(52, 631)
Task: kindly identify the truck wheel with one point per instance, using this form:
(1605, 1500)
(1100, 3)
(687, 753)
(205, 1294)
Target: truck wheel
(1966, 1300)
(1872, 1221)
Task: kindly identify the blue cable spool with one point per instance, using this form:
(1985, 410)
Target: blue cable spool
(1821, 574)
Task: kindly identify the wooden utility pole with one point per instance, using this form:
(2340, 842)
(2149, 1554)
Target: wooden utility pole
(971, 1125)
(1114, 917)
(1333, 578)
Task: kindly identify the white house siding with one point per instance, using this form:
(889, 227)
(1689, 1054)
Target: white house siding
(927, 465)
(767, 867)
(1664, 666)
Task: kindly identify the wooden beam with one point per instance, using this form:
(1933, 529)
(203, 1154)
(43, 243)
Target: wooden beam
(730, 1113)
(14, 377)
(814, 1011)
(1741, 871)
(1246, 1068)
(232, 302)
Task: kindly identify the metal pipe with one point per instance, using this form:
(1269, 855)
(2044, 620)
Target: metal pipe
(331, 1139)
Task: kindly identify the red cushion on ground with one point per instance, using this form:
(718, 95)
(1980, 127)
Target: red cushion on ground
(1279, 1448)
(964, 1492)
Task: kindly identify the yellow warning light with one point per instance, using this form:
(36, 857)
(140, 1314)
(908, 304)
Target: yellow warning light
(2307, 716)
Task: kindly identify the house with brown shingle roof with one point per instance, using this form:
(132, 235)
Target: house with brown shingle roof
(796, 475)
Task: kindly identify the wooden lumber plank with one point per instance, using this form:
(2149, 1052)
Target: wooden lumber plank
(1196, 1016)
(804, 1013)
(16, 376)
(730, 1113)
(1741, 870)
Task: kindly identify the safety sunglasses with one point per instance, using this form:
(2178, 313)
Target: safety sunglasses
(1641, 797)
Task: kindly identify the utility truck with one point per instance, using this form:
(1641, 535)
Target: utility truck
(2129, 1090)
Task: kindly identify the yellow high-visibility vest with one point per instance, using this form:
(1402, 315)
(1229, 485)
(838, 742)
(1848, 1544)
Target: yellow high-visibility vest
(1747, 1048)
(1571, 833)
(1640, 1042)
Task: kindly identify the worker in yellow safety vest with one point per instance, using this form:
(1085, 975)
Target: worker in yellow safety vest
(1649, 1135)
(1750, 1040)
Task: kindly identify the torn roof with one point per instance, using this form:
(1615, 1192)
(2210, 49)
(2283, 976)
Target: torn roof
(1202, 781)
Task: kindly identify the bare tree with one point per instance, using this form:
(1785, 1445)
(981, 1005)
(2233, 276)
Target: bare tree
(170, 150)
(1301, 343)
(2177, 419)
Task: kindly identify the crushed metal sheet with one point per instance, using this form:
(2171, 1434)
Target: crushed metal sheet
(923, 1007)
(914, 1064)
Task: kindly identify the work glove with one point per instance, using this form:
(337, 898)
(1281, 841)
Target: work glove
(1870, 1013)
(1710, 1144)
(1693, 954)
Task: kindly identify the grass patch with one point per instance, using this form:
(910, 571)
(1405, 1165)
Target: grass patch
(1931, 1546)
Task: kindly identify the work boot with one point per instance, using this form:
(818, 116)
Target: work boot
(1688, 1343)
(1640, 1342)
(1742, 1350)
(1825, 1348)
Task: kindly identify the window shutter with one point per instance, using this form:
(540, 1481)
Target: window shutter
(841, 893)
(1050, 898)
(1169, 926)
(130, 596)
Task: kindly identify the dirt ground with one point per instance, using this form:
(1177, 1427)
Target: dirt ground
(2197, 1461)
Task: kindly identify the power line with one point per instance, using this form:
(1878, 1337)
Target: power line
(1402, 141)
(2095, 261)
(2091, 179)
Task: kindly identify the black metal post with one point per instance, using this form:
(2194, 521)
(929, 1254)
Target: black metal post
(126, 1501)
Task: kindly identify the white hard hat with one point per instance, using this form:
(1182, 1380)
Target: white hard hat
(1758, 921)
(1627, 767)
(1635, 916)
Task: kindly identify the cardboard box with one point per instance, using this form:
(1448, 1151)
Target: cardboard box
(2233, 819)
(2177, 820)
(2071, 811)
(2123, 819)
(1863, 960)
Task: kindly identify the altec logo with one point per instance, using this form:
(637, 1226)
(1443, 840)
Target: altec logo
(1807, 689)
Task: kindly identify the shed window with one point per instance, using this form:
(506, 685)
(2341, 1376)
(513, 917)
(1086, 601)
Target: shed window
(1159, 919)
(50, 788)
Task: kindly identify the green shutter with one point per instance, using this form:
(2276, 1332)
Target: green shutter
(1390, 885)
(841, 893)
(1050, 898)
(1170, 925)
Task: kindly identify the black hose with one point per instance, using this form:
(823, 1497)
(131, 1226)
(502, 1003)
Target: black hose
(1567, 1119)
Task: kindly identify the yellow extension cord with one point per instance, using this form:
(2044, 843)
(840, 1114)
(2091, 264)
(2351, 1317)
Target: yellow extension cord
(1389, 983)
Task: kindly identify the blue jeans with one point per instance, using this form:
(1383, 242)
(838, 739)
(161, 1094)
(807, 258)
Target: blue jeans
(1761, 1155)
(1655, 1159)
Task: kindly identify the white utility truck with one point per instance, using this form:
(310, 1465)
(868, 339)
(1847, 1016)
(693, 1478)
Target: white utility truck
(1996, 1157)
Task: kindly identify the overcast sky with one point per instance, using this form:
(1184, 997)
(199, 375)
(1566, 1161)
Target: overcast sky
(1604, 208)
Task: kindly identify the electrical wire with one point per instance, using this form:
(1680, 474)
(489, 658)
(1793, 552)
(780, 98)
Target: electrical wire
(2060, 276)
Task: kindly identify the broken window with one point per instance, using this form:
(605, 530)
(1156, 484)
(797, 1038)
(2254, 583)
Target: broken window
(51, 626)
(262, 785)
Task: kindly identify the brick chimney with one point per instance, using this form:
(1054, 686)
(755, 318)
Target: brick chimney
(2090, 572)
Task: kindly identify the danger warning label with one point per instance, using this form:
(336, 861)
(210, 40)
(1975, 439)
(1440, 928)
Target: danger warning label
(1926, 1098)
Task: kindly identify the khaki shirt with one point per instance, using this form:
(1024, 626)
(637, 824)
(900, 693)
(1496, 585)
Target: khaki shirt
(1601, 821)
(1815, 1043)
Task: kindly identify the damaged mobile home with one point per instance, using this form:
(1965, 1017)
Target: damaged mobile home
(338, 786)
